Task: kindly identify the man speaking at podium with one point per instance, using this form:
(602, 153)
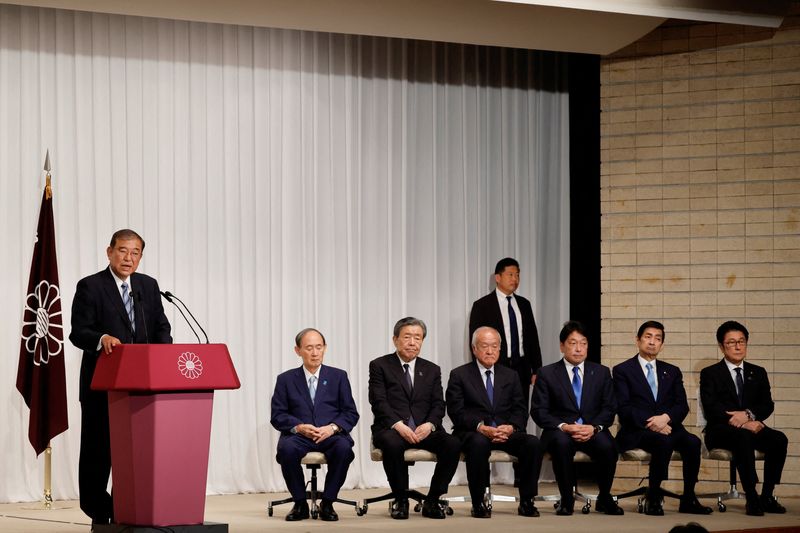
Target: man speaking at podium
(115, 306)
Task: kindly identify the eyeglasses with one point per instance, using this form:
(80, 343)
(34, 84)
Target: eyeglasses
(740, 342)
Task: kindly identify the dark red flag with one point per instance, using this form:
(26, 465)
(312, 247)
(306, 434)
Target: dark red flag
(40, 376)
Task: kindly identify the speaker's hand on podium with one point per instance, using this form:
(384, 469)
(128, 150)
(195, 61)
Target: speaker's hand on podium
(108, 342)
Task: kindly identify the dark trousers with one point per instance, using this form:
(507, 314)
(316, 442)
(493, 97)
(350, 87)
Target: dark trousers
(445, 446)
(660, 448)
(94, 463)
(743, 443)
(338, 450)
(477, 448)
(601, 448)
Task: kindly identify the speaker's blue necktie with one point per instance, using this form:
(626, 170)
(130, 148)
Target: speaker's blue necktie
(128, 302)
(651, 380)
(312, 387)
(739, 386)
(513, 343)
(577, 388)
(410, 423)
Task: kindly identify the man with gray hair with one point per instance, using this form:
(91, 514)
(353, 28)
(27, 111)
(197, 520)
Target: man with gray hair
(405, 392)
(488, 410)
(313, 408)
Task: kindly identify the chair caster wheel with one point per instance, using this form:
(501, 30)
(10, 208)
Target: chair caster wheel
(449, 511)
(585, 509)
(269, 511)
(639, 506)
(418, 507)
(722, 507)
(361, 511)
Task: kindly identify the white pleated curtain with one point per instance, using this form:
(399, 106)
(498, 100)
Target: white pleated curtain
(281, 179)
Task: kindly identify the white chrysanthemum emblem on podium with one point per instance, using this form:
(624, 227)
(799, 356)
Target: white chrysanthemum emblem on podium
(190, 365)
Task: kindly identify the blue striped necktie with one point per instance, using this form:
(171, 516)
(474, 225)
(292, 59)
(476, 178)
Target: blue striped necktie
(128, 302)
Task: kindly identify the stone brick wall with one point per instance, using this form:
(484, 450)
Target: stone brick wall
(701, 207)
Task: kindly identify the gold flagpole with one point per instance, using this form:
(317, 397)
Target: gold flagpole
(48, 489)
(48, 453)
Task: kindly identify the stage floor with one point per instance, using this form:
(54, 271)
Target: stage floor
(246, 513)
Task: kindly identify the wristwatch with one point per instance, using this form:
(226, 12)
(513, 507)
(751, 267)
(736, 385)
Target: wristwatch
(336, 429)
(750, 414)
(597, 429)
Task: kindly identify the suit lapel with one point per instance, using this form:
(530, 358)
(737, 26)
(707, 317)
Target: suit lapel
(399, 373)
(112, 293)
(727, 379)
(302, 387)
(480, 385)
(566, 384)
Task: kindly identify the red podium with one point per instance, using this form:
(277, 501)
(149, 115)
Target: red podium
(160, 400)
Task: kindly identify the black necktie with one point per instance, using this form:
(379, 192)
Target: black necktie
(410, 423)
(739, 386)
(513, 331)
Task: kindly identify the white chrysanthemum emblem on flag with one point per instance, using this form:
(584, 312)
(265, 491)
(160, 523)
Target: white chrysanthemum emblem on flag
(190, 365)
(40, 309)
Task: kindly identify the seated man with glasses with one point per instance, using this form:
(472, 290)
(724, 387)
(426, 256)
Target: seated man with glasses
(736, 400)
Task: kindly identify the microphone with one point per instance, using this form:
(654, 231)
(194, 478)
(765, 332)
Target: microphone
(137, 302)
(169, 297)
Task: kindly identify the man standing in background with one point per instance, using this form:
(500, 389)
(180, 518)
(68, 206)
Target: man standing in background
(512, 316)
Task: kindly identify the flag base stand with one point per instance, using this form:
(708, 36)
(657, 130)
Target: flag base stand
(205, 527)
(48, 506)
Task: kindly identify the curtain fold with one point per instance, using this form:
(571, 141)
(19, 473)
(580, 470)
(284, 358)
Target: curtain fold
(282, 179)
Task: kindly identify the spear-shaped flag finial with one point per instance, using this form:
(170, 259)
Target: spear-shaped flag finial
(48, 190)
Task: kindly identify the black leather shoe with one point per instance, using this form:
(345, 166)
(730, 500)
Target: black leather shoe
(326, 512)
(653, 507)
(481, 511)
(432, 509)
(299, 512)
(608, 506)
(771, 505)
(693, 506)
(400, 509)
(753, 508)
(565, 509)
(527, 508)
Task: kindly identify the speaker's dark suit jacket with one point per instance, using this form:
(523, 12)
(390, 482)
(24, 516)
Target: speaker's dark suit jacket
(553, 402)
(718, 395)
(468, 405)
(486, 312)
(635, 404)
(98, 310)
(392, 401)
(333, 404)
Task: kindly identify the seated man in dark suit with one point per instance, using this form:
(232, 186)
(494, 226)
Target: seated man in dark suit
(573, 402)
(736, 400)
(485, 403)
(313, 408)
(651, 403)
(405, 392)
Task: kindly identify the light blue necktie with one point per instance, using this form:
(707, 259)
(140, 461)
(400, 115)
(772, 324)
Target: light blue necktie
(128, 302)
(651, 380)
(577, 388)
(312, 387)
